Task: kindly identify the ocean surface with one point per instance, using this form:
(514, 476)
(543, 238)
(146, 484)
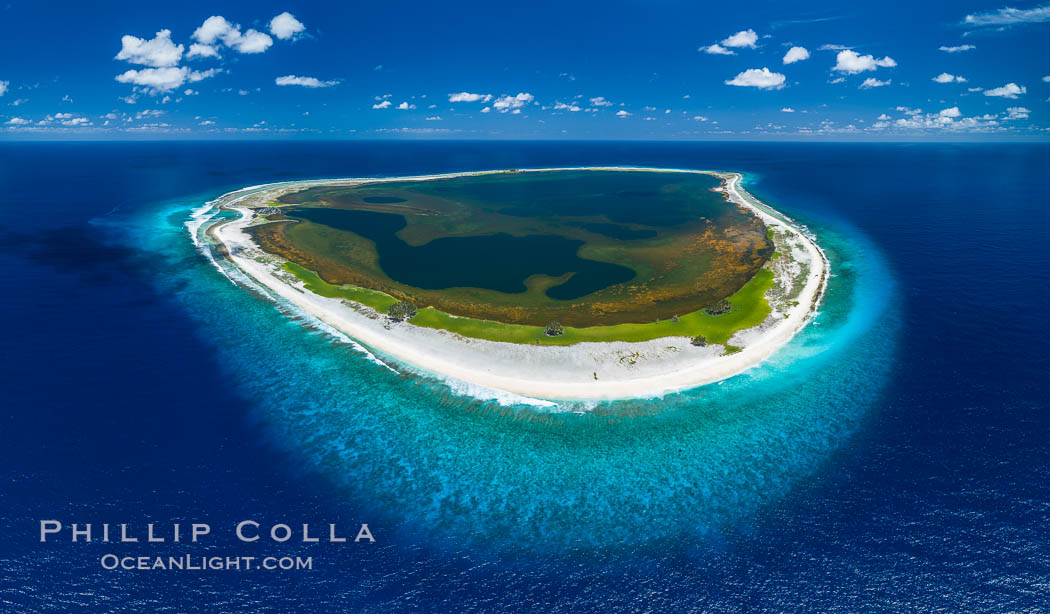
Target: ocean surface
(893, 457)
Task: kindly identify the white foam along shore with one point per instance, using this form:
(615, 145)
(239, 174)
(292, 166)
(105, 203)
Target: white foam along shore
(584, 371)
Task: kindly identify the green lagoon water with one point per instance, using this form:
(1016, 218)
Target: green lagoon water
(624, 197)
(665, 238)
(498, 262)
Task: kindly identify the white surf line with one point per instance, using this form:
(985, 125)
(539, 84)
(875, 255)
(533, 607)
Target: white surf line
(198, 219)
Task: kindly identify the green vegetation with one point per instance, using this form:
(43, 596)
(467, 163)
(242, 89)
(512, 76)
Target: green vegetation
(401, 310)
(379, 301)
(750, 308)
(554, 329)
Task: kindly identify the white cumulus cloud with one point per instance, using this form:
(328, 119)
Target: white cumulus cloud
(285, 26)
(304, 81)
(157, 80)
(251, 41)
(956, 48)
(871, 82)
(622, 113)
(197, 50)
(199, 75)
(948, 78)
(787, 110)
(796, 54)
(404, 106)
(1010, 90)
(158, 52)
(513, 104)
(945, 119)
(1017, 113)
(761, 78)
(217, 29)
(66, 119)
(213, 29)
(17, 121)
(381, 105)
(600, 101)
(717, 49)
(468, 97)
(561, 106)
(851, 63)
(743, 38)
(3, 88)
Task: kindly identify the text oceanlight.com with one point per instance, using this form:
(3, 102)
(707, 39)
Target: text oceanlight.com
(201, 563)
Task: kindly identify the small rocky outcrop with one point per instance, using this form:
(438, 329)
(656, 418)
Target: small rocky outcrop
(717, 309)
(401, 310)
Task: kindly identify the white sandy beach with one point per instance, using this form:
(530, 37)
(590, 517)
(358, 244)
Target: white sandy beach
(578, 372)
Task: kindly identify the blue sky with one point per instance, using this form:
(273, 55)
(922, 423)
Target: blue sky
(653, 69)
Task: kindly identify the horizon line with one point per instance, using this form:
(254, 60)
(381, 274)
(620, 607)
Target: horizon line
(1026, 140)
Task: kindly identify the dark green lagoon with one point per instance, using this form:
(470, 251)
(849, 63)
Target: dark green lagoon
(499, 262)
(646, 198)
(583, 247)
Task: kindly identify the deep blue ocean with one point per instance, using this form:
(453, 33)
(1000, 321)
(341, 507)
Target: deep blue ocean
(893, 457)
